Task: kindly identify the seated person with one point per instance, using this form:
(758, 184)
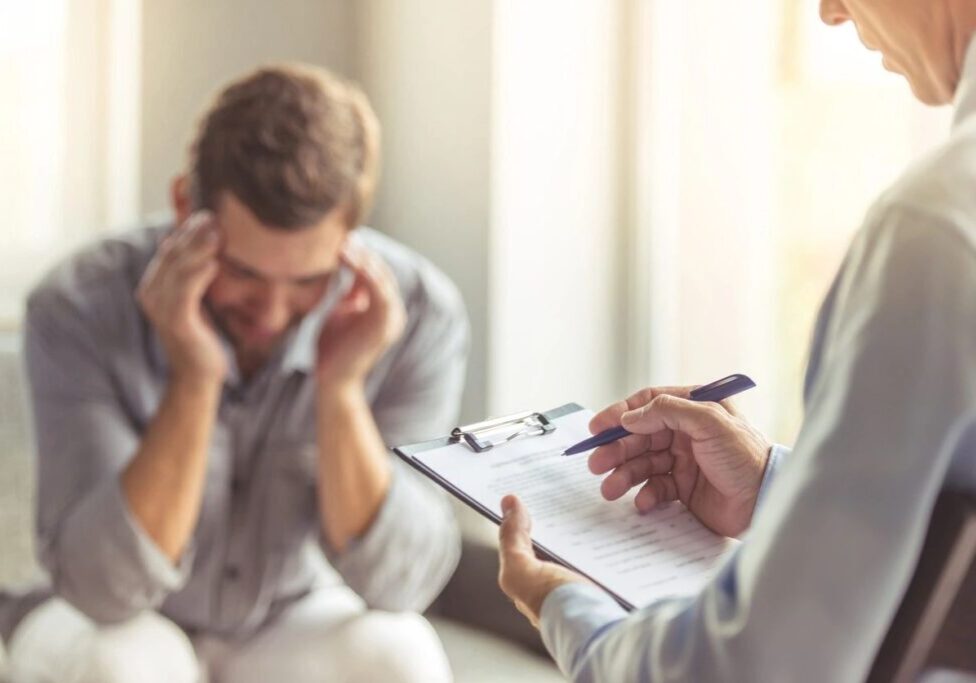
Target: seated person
(834, 528)
(211, 403)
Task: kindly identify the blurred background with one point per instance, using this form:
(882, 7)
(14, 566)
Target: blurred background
(627, 192)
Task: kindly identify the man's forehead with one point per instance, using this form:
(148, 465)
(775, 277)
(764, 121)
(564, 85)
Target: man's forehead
(279, 253)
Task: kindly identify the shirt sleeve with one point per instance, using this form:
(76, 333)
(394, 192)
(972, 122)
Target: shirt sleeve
(408, 554)
(812, 591)
(98, 557)
(778, 455)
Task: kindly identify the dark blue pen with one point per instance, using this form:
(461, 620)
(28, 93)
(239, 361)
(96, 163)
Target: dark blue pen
(716, 391)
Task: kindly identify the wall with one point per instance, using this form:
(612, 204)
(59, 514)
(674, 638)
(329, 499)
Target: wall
(429, 77)
(191, 48)
(557, 227)
(501, 161)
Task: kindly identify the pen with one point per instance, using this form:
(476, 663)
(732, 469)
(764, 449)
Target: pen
(716, 391)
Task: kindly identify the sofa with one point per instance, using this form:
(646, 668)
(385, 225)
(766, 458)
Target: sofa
(484, 636)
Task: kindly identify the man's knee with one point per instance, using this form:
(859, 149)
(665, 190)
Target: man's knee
(57, 643)
(400, 647)
(146, 649)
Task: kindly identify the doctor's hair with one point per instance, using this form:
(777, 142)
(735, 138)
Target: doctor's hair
(293, 143)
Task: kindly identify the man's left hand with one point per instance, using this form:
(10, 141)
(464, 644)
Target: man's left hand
(366, 322)
(523, 577)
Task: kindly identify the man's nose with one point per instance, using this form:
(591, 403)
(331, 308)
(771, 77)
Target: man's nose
(833, 12)
(273, 307)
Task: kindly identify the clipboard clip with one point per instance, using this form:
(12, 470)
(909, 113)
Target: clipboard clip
(478, 435)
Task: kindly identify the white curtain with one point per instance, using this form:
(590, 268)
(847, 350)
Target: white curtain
(69, 136)
(762, 138)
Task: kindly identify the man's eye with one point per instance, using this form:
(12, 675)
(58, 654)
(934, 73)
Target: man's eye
(237, 272)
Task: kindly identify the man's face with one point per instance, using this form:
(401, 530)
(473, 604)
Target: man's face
(912, 36)
(269, 279)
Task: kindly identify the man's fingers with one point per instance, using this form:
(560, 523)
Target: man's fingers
(356, 300)
(187, 249)
(196, 227)
(373, 273)
(658, 489)
(635, 472)
(697, 420)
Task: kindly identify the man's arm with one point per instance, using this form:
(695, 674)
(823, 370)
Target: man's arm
(163, 484)
(116, 509)
(812, 592)
(389, 534)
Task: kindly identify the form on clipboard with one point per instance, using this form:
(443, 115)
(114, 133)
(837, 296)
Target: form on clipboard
(636, 558)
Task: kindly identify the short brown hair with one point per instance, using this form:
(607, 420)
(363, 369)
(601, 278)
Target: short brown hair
(292, 142)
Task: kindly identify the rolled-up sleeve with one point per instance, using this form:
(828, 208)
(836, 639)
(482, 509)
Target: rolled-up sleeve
(98, 557)
(411, 549)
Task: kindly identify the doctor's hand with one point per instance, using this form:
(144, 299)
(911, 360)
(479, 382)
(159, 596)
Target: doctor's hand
(523, 577)
(703, 454)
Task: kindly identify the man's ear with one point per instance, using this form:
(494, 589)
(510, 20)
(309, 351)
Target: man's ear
(179, 196)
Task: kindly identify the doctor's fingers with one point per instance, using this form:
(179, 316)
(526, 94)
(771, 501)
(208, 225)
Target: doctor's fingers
(609, 417)
(615, 454)
(636, 472)
(658, 489)
(700, 421)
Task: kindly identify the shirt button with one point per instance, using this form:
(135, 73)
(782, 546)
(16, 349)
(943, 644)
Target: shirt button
(232, 573)
(236, 486)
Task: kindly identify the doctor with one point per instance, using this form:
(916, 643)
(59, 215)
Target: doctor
(836, 525)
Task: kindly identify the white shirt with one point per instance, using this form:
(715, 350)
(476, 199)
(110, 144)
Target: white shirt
(890, 422)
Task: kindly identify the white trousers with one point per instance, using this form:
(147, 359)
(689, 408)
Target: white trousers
(325, 637)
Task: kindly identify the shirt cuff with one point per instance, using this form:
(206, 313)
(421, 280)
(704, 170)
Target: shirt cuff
(777, 456)
(108, 565)
(407, 554)
(572, 616)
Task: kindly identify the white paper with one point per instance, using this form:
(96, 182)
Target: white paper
(638, 557)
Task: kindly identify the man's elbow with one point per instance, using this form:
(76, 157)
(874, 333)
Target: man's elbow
(97, 602)
(95, 591)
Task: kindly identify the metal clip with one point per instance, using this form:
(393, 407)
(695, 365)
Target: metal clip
(525, 424)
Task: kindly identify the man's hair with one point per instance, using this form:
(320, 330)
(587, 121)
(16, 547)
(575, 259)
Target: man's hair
(292, 142)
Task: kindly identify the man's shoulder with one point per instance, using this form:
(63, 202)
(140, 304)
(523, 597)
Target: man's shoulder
(100, 275)
(423, 286)
(939, 185)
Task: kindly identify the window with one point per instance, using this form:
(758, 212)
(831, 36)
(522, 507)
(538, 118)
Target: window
(763, 137)
(68, 76)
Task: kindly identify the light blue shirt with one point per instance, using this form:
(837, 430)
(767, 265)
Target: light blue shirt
(98, 373)
(890, 421)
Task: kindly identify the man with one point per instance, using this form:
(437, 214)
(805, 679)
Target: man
(212, 404)
(890, 421)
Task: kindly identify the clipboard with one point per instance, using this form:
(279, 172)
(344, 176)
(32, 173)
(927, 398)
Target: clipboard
(489, 437)
(477, 437)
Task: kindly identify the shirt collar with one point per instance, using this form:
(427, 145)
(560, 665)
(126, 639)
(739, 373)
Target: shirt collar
(965, 102)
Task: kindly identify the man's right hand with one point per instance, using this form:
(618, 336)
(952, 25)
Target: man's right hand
(703, 454)
(171, 295)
